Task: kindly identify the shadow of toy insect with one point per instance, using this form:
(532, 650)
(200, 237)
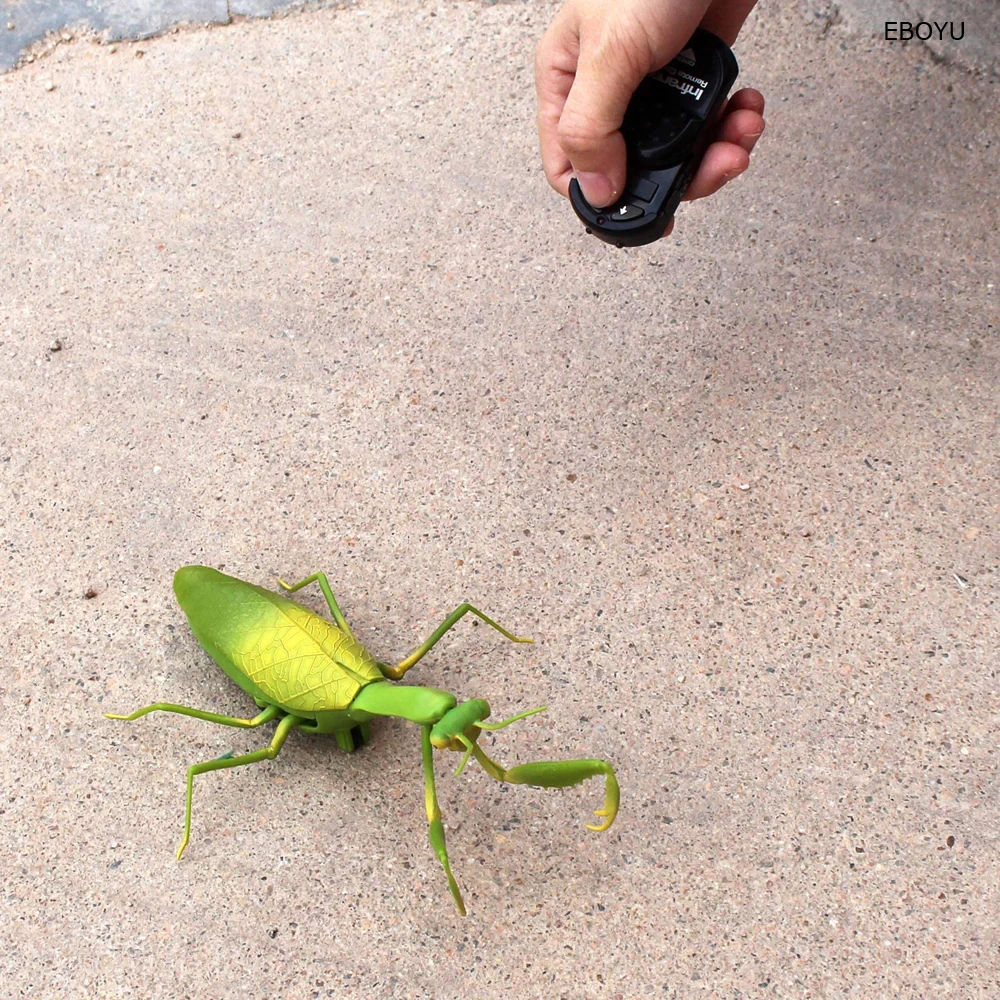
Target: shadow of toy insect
(310, 674)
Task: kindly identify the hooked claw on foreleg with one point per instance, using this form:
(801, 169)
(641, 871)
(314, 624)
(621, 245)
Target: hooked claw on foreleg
(611, 800)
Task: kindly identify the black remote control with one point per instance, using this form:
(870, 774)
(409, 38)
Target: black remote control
(667, 126)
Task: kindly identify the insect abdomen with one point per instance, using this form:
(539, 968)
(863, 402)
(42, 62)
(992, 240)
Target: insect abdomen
(275, 649)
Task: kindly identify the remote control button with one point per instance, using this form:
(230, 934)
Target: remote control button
(644, 189)
(625, 213)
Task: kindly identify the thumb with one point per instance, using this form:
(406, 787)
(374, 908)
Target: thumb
(590, 120)
(609, 69)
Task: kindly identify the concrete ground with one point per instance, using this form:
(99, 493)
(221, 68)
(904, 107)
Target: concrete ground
(976, 23)
(293, 295)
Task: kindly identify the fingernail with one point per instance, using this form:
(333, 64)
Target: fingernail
(597, 189)
(727, 177)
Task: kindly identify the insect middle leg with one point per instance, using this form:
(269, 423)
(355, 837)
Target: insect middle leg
(286, 725)
(268, 715)
(397, 671)
(320, 578)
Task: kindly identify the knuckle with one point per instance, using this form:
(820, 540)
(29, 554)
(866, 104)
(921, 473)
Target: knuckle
(624, 49)
(577, 132)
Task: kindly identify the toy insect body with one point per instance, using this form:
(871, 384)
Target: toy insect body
(311, 674)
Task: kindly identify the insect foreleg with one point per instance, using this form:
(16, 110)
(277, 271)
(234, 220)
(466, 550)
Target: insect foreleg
(436, 828)
(320, 578)
(286, 725)
(395, 672)
(270, 713)
(559, 774)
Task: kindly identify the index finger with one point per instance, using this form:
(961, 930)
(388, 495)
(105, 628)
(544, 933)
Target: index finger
(555, 67)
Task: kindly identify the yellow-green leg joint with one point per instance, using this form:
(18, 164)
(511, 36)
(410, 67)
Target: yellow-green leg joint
(286, 725)
(436, 827)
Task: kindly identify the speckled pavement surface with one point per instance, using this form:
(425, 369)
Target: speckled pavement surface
(317, 309)
(975, 23)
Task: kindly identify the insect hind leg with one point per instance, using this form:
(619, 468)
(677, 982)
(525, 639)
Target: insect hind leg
(270, 713)
(285, 726)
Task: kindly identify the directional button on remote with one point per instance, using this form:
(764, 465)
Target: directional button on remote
(624, 213)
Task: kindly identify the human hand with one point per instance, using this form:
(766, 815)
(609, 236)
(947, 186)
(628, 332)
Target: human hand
(588, 65)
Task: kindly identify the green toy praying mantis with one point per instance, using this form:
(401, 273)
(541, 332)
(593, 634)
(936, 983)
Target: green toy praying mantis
(307, 673)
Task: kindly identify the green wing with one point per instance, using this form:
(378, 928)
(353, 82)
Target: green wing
(276, 650)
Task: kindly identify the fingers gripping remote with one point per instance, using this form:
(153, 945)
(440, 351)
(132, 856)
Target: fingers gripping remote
(667, 127)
